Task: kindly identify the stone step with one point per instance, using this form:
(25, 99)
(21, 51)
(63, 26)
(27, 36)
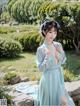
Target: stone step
(21, 99)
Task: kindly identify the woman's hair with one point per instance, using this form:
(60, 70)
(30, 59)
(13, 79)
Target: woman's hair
(48, 25)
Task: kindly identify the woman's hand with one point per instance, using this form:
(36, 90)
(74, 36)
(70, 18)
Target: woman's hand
(47, 52)
(58, 48)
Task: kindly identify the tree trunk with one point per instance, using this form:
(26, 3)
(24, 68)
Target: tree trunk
(76, 47)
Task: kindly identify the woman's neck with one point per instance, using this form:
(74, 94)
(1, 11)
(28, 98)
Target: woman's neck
(48, 42)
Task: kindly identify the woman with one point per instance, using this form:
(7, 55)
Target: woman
(50, 57)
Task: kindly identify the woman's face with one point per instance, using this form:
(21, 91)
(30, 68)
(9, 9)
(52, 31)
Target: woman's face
(51, 34)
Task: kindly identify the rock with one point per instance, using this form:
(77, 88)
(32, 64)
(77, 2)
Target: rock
(11, 68)
(15, 94)
(23, 100)
(2, 74)
(74, 89)
(15, 80)
(24, 79)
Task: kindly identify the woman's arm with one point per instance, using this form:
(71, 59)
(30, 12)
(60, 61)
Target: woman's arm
(64, 58)
(62, 52)
(43, 62)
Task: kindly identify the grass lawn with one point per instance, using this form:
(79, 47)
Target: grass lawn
(73, 62)
(25, 65)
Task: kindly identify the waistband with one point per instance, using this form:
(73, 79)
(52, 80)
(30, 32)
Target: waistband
(58, 66)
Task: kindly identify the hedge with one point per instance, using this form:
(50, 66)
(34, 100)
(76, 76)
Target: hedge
(29, 40)
(9, 47)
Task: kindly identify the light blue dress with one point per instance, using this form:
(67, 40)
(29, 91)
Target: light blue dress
(51, 85)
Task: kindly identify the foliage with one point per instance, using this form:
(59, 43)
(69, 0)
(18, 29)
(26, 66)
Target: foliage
(28, 36)
(36, 11)
(5, 16)
(9, 47)
(29, 40)
(4, 95)
(6, 30)
(24, 11)
(68, 76)
(8, 76)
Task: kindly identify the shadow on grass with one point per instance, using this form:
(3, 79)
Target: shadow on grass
(11, 58)
(18, 57)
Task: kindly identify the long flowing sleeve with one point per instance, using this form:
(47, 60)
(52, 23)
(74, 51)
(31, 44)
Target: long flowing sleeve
(43, 62)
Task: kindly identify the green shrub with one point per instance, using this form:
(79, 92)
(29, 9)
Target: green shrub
(8, 76)
(5, 16)
(21, 28)
(9, 47)
(77, 77)
(4, 95)
(6, 30)
(68, 76)
(67, 14)
(29, 40)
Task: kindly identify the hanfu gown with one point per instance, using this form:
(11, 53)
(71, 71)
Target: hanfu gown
(51, 85)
